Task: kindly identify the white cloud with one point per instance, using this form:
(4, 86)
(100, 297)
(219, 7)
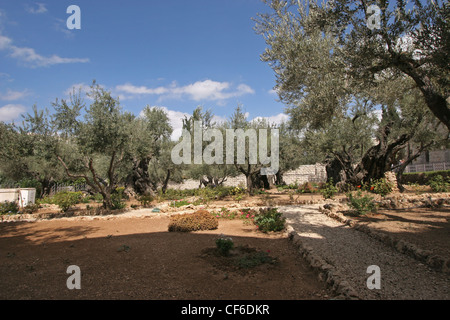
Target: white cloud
(200, 90)
(13, 95)
(129, 88)
(30, 58)
(10, 112)
(175, 120)
(40, 8)
(277, 119)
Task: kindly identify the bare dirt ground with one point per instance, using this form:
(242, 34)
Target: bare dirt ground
(427, 228)
(137, 258)
(126, 257)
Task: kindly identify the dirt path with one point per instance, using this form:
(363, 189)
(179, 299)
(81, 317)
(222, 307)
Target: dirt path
(136, 258)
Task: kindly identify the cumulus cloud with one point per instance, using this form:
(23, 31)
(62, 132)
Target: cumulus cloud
(201, 90)
(29, 57)
(11, 112)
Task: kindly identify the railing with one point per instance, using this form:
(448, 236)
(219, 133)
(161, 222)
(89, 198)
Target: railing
(67, 187)
(438, 166)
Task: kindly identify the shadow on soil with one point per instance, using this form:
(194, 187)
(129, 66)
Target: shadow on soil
(155, 265)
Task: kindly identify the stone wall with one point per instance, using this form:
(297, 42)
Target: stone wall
(311, 173)
(435, 156)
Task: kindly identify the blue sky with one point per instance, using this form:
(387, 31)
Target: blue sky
(175, 54)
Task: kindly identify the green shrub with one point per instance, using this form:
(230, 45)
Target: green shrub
(66, 199)
(199, 220)
(97, 197)
(440, 184)
(31, 208)
(361, 204)
(145, 200)
(328, 190)
(179, 203)
(117, 198)
(224, 245)
(423, 178)
(269, 220)
(381, 187)
(9, 207)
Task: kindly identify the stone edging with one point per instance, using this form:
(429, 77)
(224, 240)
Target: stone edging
(327, 272)
(434, 261)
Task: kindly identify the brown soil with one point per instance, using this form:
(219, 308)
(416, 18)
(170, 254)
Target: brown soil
(137, 258)
(428, 229)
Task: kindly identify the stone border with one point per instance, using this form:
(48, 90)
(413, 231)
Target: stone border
(436, 262)
(327, 273)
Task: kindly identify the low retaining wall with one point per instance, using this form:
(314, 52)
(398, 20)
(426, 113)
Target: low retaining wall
(434, 261)
(327, 272)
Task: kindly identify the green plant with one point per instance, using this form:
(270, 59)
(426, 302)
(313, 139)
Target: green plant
(31, 208)
(225, 214)
(254, 259)
(145, 200)
(238, 197)
(224, 245)
(361, 204)
(329, 190)
(9, 207)
(179, 203)
(117, 198)
(66, 199)
(97, 197)
(269, 220)
(381, 187)
(440, 184)
(307, 187)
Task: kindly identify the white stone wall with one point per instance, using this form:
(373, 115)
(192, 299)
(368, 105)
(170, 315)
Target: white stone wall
(311, 173)
(305, 173)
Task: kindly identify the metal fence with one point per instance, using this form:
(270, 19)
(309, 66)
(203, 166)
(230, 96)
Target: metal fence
(58, 187)
(438, 166)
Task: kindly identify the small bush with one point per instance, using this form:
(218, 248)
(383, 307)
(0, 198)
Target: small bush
(440, 184)
(224, 245)
(9, 207)
(145, 200)
(199, 220)
(269, 220)
(31, 208)
(361, 204)
(67, 199)
(117, 198)
(381, 187)
(328, 190)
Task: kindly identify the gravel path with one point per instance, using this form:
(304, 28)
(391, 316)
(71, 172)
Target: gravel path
(344, 254)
